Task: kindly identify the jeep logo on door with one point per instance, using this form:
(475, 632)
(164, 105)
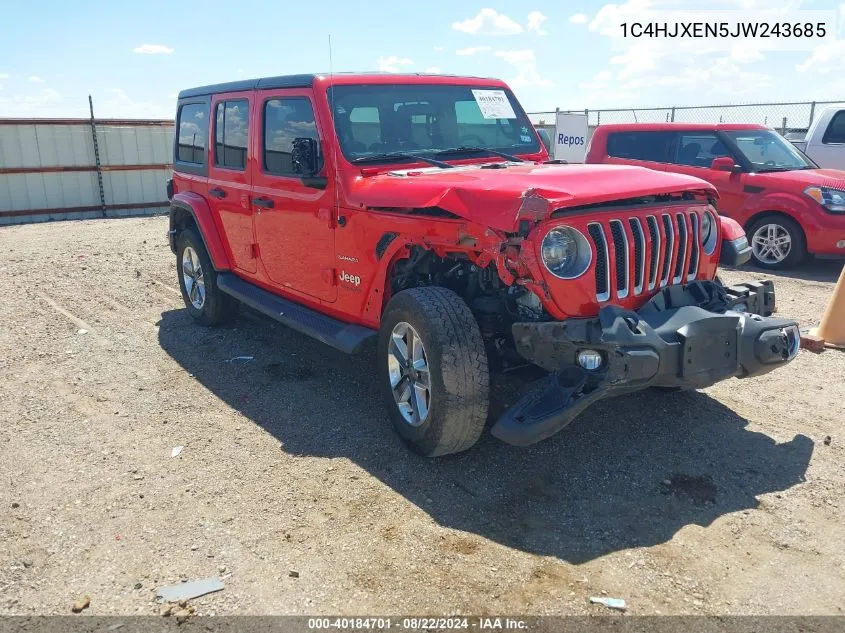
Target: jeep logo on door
(345, 277)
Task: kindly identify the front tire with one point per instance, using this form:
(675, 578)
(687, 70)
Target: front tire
(433, 371)
(777, 242)
(206, 303)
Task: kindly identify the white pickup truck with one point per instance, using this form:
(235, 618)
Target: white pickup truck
(825, 140)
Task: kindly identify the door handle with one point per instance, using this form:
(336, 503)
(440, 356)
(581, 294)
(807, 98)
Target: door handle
(263, 202)
(217, 192)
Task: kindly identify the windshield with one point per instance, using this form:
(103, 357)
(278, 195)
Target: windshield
(768, 151)
(424, 119)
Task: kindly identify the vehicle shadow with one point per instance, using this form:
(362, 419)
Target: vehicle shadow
(814, 269)
(629, 472)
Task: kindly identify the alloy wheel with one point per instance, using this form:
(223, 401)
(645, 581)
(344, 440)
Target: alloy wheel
(410, 379)
(771, 243)
(192, 276)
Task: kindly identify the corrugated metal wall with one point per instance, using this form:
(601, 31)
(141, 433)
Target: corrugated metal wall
(48, 169)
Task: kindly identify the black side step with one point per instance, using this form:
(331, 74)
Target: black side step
(343, 336)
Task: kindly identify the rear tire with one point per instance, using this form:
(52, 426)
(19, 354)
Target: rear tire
(438, 401)
(206, 303)
(777, 242)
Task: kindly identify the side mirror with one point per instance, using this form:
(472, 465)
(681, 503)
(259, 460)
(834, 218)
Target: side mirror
(305, 156)
(725, 163)
(543, 133)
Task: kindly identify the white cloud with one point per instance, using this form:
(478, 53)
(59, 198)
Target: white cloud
(535, 21)
(433, 69)
(439, 49)
(610, 16)
(35, 80)
(656, 72)
(488, 22)
(824, 59)
(43, 103)
(4, 75)
(525, 63)
(472, 50)
(153, 49)
(579, 18)
(117, 103)
(392, 63)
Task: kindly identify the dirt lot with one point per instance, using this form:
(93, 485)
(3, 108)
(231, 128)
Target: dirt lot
(722, 501)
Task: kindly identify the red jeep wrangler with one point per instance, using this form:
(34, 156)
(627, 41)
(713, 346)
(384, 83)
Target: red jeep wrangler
(423, 210)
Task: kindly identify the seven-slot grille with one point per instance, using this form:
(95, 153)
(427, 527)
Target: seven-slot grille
(657, 250)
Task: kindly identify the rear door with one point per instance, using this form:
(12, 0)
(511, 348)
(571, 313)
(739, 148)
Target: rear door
(229, 176)
(294, 221)
(693, 154)
(641, 148)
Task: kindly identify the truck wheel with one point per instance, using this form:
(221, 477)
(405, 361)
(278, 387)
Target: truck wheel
(777, 242)
(433, 370)
(206, 303)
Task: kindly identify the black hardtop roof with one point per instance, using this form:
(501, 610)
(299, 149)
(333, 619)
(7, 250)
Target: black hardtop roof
(292, 81)
(282, 81)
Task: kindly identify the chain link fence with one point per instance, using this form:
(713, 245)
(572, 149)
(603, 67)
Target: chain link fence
(790, 119)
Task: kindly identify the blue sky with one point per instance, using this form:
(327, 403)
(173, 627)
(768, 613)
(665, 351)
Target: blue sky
(133, 57)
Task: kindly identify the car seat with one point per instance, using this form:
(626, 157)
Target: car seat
(718, 149)
(689, 154)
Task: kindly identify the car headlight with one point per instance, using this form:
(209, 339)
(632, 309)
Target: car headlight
(831, 199)
(566, 252)
(706, 227)
(708, 232)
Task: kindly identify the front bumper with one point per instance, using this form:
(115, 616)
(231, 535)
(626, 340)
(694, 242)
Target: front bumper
(686, 336)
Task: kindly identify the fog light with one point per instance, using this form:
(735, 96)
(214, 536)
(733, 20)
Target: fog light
(840, 244)
(590, 359)
(793, 339)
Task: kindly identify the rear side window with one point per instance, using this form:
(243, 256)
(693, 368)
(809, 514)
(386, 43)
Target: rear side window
(231, 133)
(285, 119)
(835, 132)
(652, 146)
(699, 150)
(193, 133)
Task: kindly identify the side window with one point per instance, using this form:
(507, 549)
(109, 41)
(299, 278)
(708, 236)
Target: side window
(231, 131)
(193, 133)
(651, 146)
(285, 119)
(835, 132)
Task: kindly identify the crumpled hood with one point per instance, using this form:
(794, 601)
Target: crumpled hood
(799, 179)
(492, 196)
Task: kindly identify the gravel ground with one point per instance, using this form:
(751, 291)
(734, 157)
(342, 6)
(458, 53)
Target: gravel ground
(727, 500)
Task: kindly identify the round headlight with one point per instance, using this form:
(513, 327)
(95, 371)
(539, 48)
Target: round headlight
(565, 252)
(706, 227)
(708, 232)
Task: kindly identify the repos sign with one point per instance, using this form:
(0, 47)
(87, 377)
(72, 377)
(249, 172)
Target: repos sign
(570, 142)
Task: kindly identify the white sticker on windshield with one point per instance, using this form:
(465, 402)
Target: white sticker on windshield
(494, 104)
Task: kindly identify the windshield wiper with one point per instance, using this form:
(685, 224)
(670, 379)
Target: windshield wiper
(781, 168)
(474, 150)
(390, 156)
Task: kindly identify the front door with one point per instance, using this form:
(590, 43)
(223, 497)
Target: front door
(294, 223)
(694, 152)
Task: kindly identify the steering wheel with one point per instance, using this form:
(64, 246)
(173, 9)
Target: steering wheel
(467, 138)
